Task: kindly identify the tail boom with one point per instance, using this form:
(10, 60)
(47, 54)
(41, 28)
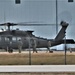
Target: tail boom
(62, 32)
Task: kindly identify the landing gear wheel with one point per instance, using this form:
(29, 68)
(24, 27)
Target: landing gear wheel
(10, 50)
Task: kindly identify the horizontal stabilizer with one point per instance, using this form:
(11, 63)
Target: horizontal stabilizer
(69, 41)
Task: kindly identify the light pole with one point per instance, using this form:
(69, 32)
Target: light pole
(65, 47)
(29, 52)
(56, 17)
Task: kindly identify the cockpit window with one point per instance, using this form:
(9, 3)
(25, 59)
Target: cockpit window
(14, 38)
(18, 38)
(6, 39)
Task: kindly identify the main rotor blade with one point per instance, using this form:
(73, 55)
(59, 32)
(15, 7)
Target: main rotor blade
(35, 24)
(27, 24)
(8, 24)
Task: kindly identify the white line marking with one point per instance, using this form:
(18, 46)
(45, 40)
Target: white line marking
(38, 68)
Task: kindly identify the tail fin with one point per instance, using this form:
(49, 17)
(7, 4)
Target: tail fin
(62, 32)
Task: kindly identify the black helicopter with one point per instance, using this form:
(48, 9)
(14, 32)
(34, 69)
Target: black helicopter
(18, 39)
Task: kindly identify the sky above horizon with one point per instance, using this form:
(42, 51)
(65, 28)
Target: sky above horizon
(39, 11)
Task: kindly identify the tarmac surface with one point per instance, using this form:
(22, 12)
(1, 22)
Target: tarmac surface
(38, 68)
(54, 52)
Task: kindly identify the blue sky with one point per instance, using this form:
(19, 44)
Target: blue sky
(40, 11)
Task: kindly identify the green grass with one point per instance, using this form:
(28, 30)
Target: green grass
(36, 59)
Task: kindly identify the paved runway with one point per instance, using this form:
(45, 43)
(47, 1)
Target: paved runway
(38, 68)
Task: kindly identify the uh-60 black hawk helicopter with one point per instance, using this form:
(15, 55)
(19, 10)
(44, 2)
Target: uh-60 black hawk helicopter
(18, 39)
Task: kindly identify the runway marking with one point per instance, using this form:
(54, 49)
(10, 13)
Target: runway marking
(38, 68)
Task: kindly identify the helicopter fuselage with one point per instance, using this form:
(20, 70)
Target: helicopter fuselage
(25, 42)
